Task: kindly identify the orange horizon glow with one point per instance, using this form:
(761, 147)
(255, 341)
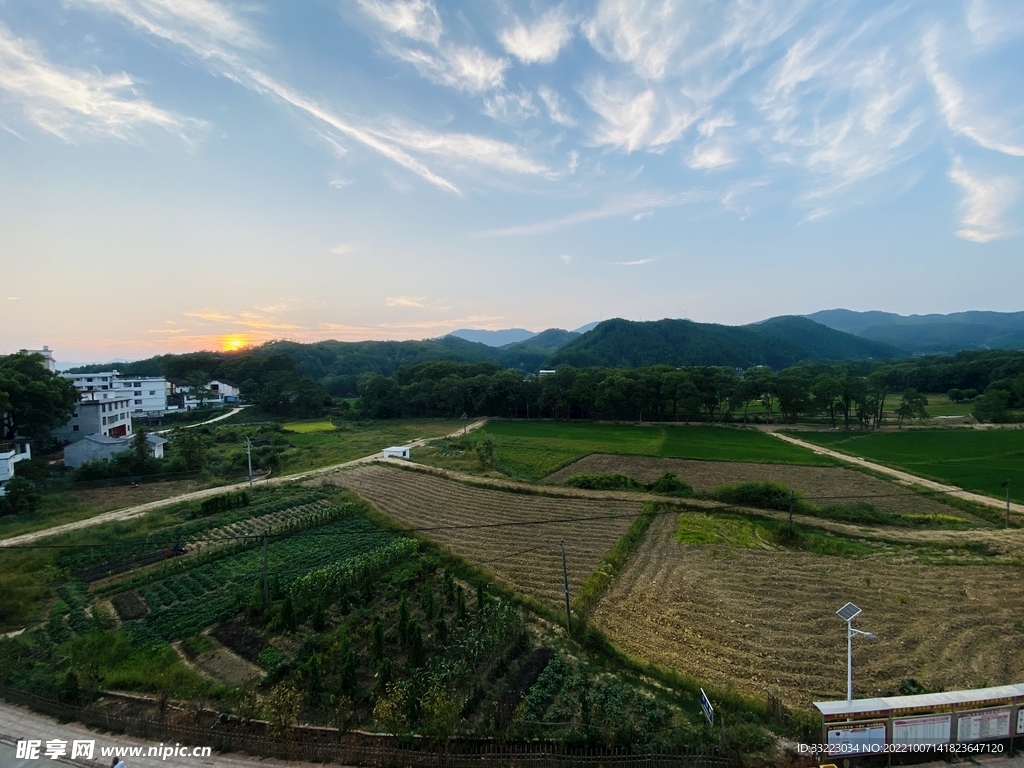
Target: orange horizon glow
(234, 342)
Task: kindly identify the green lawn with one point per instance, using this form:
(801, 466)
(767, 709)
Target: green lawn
(976, 460)
(353, 440)
(533, 449)
(304, 427)
(941, 405)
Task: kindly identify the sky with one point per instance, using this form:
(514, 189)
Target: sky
(205, 174)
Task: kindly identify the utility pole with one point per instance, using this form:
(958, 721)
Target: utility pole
(266, 586)
(565, 580)
(248, 450)
(792, 495)
(1006, 485)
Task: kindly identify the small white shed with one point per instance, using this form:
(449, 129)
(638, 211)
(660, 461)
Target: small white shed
(397, 452)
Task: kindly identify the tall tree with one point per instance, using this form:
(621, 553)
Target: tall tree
(33, 400)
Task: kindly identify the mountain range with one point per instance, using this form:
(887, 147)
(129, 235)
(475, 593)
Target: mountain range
(930, 334)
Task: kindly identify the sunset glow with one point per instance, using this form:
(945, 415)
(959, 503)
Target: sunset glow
(234, 343)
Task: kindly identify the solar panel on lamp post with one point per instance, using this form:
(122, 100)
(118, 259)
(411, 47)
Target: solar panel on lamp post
(848, 613)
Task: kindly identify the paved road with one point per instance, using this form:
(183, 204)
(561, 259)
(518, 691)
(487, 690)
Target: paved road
(129, 512)
(214, 420)
(905, 477)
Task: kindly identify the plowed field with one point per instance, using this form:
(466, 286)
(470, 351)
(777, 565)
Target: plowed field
(824, 484)
(759, 620)
(527, 557)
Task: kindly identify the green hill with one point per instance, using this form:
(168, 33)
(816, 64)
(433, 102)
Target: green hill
(778, 343)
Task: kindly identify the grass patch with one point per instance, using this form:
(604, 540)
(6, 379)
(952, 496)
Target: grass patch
(305, 427)
(531, 450)
(748, 532)
(977, 460)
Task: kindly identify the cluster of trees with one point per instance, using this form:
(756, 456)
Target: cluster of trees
(845, 393)
(33, 400)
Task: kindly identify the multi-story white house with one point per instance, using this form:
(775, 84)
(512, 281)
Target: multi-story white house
(148, 393)
(107, 413)
(48, 362)
(10, 454)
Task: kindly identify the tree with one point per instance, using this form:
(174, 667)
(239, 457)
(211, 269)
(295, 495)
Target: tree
(485, 452)
(197, 386)
(33, 400)
(912, 406)
(21, 497)
(189, 446)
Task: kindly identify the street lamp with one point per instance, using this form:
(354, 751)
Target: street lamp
(848, 613)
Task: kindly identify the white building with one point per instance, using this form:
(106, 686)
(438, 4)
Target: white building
(10, 454)
(103, 448)
(228, 391)
(106, 413)
(397, 452)
(148, 393)
(48, 362)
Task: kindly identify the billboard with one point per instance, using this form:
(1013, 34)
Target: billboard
(984, 725)
(922, 730)
(853, 738)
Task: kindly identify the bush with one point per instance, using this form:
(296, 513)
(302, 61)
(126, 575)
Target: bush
(670, 484)
(604, 481)
(21, 497)
(764, 494)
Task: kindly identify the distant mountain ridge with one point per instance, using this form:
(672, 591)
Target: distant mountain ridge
(778, 342)
(930, 334)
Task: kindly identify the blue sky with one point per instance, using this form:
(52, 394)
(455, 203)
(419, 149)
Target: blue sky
(182, 174)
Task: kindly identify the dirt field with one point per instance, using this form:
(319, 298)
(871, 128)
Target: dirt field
(825, 485)
(760, 620)
(117, 496)
(526, 557)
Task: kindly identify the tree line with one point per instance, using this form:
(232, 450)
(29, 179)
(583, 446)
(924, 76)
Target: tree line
(847, 394)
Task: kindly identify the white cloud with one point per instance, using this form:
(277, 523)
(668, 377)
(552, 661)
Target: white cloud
(541, 43)
(414, 19)
(635, 263)
(337, 182)
(993, 22)
(962, 117)
(556, 111)
(466, 146)
(510, 107)
(634, 120)
(984, 203)
(69, 103)
(467, 69)
(643, 33)
(566, 257)
(711, 155)
(343, 248)
(405, 301)
(616, 208)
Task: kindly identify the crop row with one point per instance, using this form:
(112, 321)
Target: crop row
(335, 578)
(184, 604)
(255, 526)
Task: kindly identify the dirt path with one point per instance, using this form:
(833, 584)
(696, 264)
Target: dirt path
(214, 420)
(141, 509)
(904, 477)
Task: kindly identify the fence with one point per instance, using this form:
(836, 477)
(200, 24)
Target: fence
(319, 745)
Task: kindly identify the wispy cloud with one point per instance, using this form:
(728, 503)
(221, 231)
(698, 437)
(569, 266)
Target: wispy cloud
(464, 146)
(414, 19)
(645, 35)
(625, 207)
(962, 117)
(635, 263)
(566, 258)
(71, 103)
(985, 202)
(465, 68)
(541, 42)
(343, 249)
(336, 182)
(633, 119)
(406, 301)
(556, 110)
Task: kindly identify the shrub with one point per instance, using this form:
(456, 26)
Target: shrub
(763, 494)
(603, 481)
(670, 484)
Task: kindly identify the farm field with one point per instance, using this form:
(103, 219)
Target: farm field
(822, 485)
(978, 460)
(531, 450)
(758, 620)
(526, 557)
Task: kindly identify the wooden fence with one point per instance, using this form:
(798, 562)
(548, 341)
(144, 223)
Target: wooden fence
(328, 746)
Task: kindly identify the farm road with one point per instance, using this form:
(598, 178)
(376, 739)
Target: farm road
(20, 723)
(904, 477)
(131, 512)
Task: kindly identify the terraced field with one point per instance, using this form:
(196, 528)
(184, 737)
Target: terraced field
(824, 485)
(255, 526)
(521, 552)
(760, 620)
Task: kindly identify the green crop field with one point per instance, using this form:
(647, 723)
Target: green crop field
(533, 449)
(976, 460)
(308, 426)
